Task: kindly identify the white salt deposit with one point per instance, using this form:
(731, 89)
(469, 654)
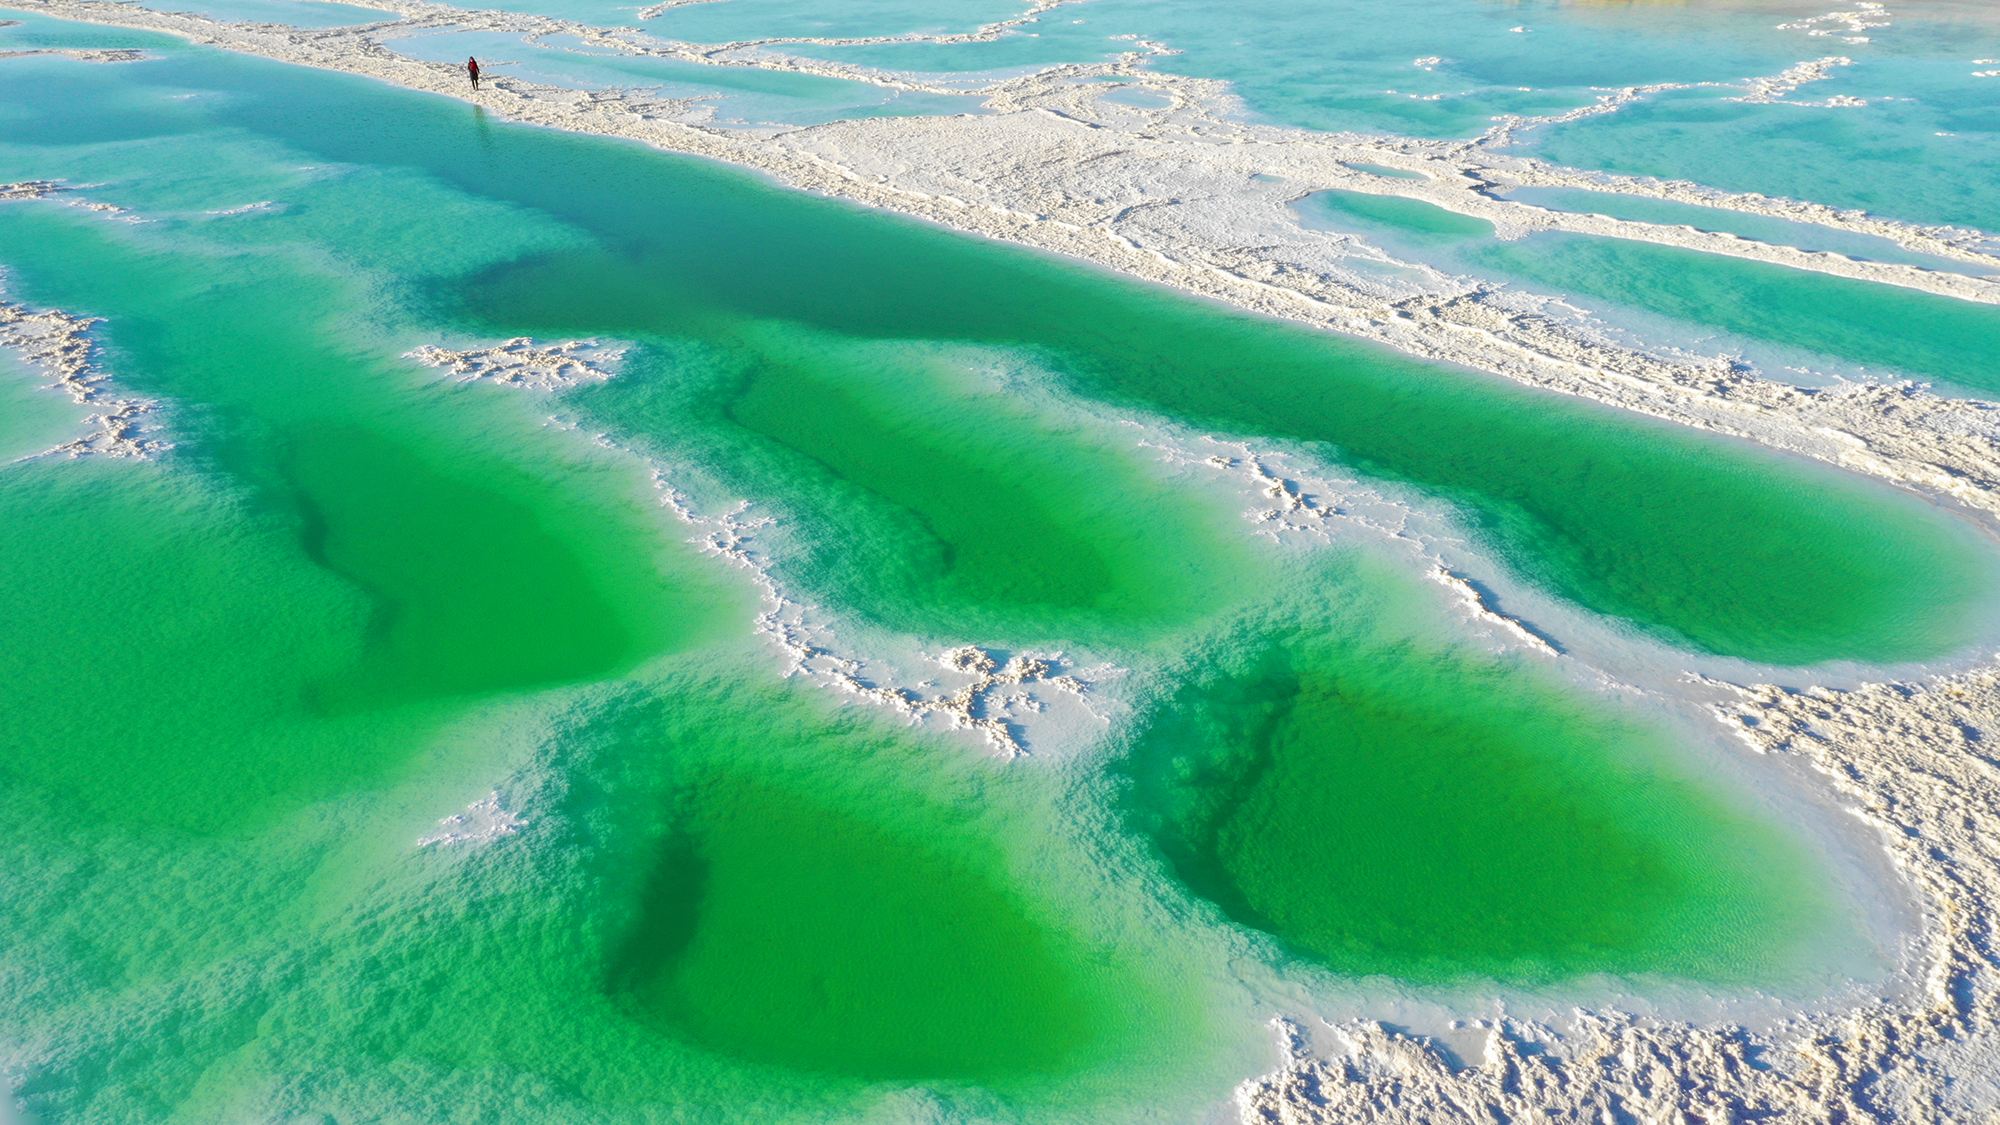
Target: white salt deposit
(58, 347)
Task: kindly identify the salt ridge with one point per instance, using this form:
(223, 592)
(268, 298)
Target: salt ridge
(523, 363)
(58, 346)
(1007, 698)
(1015, 702)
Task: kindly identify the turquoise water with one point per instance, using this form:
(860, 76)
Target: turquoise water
(1756, 228)
(1340, 66)
(1012, 54)
(1914, 151)
(33, 417)
(1922, 149)
(1780, 316)
(246, 678)
(1406, 226)
(1925, 150)
(1885, 330)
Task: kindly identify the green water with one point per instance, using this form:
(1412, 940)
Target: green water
(935, 501)
(350, 551)
(337, 569)
(243, 680)
(758, 907)
(1613, 513)
(1383, 805)
(738, 903)
(835, 916)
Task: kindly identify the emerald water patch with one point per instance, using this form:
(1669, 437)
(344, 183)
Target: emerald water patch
(819, 931)
(322, 548)
(1382, 806)
(743, 901)
(925, 495)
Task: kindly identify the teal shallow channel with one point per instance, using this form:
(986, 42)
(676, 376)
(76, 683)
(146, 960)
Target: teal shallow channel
(1787, 316)
(242, 680)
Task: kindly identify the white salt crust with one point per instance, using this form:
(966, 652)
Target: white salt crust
(57, 347)
(523, 363)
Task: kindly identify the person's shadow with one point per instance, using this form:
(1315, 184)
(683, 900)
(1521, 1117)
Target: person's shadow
(484, 128)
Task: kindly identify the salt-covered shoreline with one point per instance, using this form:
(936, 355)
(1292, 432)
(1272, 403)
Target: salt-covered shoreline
(57, 346)
(1192, 197)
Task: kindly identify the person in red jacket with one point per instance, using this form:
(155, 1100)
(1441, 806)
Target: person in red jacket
(472, 68)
